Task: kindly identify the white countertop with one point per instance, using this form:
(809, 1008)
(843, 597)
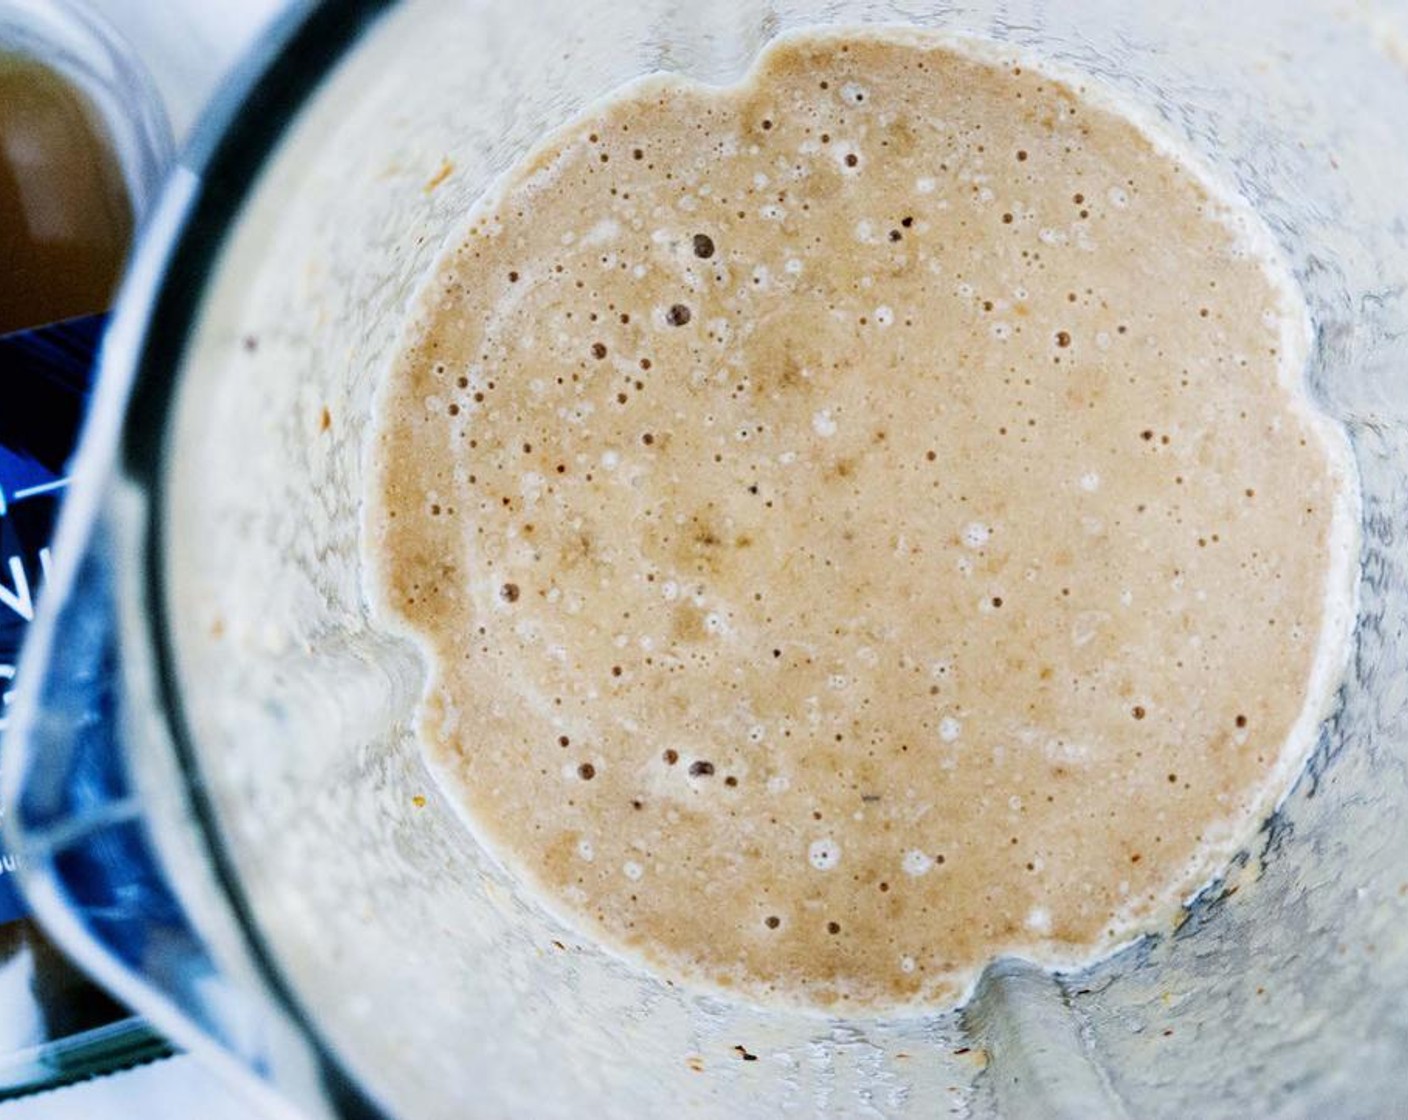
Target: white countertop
(175, 1089)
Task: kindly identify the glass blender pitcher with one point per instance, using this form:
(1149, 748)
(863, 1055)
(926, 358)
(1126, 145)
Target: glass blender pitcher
(217, 792)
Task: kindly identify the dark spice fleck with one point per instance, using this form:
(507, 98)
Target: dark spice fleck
(703, 246)
(833, 928)
(700, 769)
(772, 921)
(678, 315)
(1063, 338)
(509, 592)
(598, 350)
(586, 771)
(671, 756)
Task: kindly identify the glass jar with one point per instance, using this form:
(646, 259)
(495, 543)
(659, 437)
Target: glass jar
(83, 143)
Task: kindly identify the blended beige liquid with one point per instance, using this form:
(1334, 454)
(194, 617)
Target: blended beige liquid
(863, 520)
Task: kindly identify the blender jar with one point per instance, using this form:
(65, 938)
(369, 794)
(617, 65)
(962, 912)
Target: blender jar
(252, 851)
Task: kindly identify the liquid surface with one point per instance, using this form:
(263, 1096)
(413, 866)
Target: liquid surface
(862, 521)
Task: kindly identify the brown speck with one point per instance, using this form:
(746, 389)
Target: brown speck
(324, 420)
(445, 171)
(678, 315)
(586, 771)
(598, 350)
(1146, 435)
(1007, 219)
(997, 600)
(833, 928)
(696, 1064)
(772, 921)
(1021, 156)
(1139, 712)
(647, 439)
(418, 801)
(513, 277)
(509, 593)
(671, 756)
(731, 781)
(703, 246)
(1063, 339)
(852, 159)
(1241, 721)
(701, 769)
(251, 343)
(563, 741)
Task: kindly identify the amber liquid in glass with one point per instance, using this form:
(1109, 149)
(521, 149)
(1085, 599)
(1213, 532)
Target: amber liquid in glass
(65, 216)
